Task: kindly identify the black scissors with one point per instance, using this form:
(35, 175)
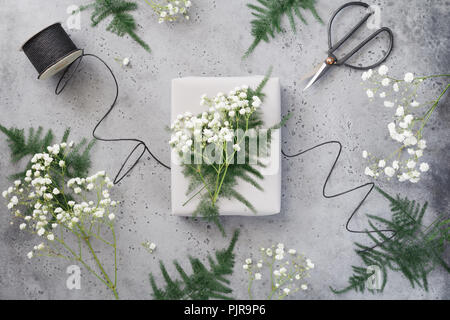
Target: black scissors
(331, 60)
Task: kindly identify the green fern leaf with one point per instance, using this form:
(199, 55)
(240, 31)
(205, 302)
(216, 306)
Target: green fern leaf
(203, 283)
(268, 14)
(77, 160)
(122, 21)
(412, 249)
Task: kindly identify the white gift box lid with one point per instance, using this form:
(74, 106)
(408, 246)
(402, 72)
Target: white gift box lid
(186, 93)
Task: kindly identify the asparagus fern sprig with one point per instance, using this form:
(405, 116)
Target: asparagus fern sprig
(268, 15)
(412, 249)
(204, 283)
(77, 160)
(122, 21)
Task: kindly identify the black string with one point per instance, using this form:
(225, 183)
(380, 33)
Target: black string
(65, 78)
(371, 186)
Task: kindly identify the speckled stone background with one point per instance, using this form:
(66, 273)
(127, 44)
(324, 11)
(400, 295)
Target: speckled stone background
(211, 44)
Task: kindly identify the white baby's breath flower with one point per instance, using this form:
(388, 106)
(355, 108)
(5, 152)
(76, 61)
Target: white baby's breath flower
(388, 104)
(258, 276)
(22, 226)
(365, 76)
(389, 171)
(411, 164)
(304, 287)
(383, 70)
(400, 111)
(395, 164)
(424, 167)
(364, 154)
(385, 82)
(30, 254)
(369, 93)
(369, 172)
(422, 144)
(125, 62)
(409, 77)
(396, 87)
(381, 163)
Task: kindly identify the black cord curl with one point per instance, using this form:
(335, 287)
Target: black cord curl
(66, 77)
(371, 186)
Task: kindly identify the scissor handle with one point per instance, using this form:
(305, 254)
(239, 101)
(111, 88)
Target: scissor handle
(332, 48)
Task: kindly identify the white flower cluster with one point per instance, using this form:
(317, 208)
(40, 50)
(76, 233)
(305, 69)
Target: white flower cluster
(405, 129)
(215, 125)
(47, 206)
(286, 270)
(149, 246)
(171, 9)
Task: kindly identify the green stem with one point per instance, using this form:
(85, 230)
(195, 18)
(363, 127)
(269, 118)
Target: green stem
(194, 196)
(430, 111)
(250, 282)
(199, 171)
(111, 285)
(220, 186)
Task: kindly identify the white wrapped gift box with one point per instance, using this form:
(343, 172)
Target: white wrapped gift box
(186, 93)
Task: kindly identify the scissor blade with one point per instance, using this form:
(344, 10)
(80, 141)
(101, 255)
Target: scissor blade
(322, 68)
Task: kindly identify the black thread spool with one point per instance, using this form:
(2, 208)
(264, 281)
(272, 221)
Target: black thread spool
(51, 50)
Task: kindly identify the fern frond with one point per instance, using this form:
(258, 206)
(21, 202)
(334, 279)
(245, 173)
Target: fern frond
(413, 250)
(77, 160)
(203, 283)
(122, 21)
(268, 15)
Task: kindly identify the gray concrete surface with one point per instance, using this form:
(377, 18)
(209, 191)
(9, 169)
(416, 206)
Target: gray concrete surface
(211, 44)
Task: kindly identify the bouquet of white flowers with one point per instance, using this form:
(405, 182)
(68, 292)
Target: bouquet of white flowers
(170, 10)
(407, 126)
(62, 214)
(285, 272)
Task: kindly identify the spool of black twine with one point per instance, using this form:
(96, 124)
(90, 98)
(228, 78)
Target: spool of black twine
(51, 50)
